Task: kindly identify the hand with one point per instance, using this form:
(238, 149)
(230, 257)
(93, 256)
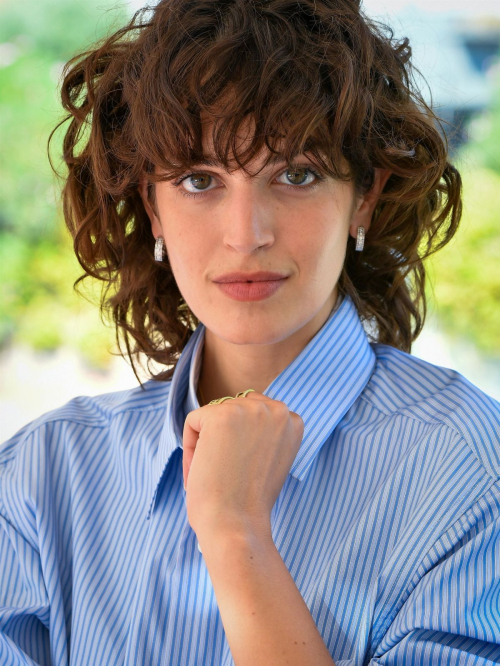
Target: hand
(237, 455)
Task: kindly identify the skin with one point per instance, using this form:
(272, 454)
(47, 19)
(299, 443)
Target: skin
(257, 223)
(237, 454)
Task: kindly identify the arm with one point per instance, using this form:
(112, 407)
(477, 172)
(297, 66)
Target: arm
(264, 615)
(28, 622)
(24, 606)
(452, 615)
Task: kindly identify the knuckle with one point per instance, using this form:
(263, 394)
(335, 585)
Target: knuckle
(281, 410)
(297, 420)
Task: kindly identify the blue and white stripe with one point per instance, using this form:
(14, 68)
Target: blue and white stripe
(389, 521)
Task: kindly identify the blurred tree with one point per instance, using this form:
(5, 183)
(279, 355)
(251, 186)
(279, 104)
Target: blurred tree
(484, 130)
(37, 264)
(57, 29)
(465, 274)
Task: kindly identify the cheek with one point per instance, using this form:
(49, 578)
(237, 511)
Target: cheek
(322, 249)
(183, 246)
(191, 257)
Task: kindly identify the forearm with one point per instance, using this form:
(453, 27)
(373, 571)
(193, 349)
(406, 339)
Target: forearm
(265, 618)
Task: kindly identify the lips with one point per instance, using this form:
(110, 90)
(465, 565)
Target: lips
(258, 276)
(251, 291)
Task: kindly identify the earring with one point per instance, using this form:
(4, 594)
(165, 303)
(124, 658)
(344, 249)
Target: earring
(159, 249)
(360, 239)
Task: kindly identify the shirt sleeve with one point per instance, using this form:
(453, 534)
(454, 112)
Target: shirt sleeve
(30, 615)
(452, 615)
(24, 606)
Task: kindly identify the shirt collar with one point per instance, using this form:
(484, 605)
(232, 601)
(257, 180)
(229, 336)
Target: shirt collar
(320, 384)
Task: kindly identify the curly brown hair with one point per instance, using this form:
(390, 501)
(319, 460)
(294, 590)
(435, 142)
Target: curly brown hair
(316, 76)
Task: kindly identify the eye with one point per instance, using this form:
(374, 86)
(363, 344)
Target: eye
(196, 179)
(293, 174)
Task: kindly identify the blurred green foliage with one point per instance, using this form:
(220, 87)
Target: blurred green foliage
(465, 274)
(484, 132)
(37, 263)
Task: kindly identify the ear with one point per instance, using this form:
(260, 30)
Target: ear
(155, 222)
(365, 206)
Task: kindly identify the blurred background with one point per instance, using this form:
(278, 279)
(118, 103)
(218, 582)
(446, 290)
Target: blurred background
(53, 344)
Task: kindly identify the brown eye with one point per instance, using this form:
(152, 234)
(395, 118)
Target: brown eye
(202, 179)
(296, 178)
(296, 175)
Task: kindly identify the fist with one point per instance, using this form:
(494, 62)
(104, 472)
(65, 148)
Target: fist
(236, 457)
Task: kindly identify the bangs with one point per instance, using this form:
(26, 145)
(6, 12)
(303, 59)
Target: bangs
(296, 81)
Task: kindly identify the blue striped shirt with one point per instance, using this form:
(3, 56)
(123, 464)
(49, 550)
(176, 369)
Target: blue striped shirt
(389, 520)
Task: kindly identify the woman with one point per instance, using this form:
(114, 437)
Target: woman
(295, 488)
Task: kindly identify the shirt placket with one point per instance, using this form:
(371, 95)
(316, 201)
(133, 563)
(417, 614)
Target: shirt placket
(152, 584)
(157, 635)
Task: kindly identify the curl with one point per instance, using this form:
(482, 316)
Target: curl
(318, 76)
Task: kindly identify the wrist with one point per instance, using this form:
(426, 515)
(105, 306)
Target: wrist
(233, 531)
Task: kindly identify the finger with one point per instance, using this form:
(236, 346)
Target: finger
(190, 435)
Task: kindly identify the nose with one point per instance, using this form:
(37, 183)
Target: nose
(249, 221)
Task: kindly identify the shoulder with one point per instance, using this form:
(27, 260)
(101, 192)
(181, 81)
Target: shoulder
(409, 386)
(42, 461)
(87, 412)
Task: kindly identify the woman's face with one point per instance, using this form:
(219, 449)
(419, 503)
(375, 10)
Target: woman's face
(283, 220)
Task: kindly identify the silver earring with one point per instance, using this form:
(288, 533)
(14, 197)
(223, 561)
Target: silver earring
(159, 249)
(360, 239)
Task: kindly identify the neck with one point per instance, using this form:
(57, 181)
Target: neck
(228, 368)
(200, 396)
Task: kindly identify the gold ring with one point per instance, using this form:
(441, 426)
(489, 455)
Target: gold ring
(244, 393)
(241, 394)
